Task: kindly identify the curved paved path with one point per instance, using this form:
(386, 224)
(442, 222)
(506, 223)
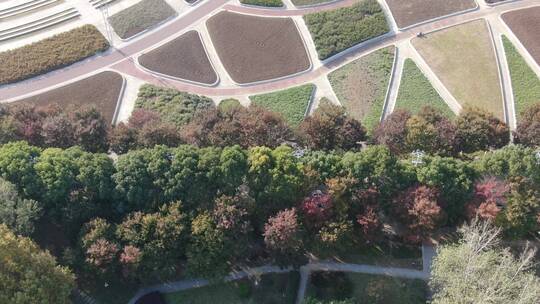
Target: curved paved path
(122, 60)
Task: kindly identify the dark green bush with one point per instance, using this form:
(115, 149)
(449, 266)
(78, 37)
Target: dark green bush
(52, 53)
(337, 30)
(269, 3)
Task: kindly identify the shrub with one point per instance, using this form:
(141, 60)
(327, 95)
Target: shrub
(528, 129)
(337, 30)
(52, 53)
(140, 17)
(270, 3)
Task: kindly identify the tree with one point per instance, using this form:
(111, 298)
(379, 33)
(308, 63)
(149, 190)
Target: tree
(17, 161)
(152, 134)
(29, 275)
(431, 132)
(317, 208)
(102, 255)
(490, 195)
(520, 215)
(330, 128)
(122, 138)
(28, 121)
(91, 129)
(528, 128)
(17, 213)
(476, 270)
(478, 130)
(392, 131)
(58, 131)
(282, 236)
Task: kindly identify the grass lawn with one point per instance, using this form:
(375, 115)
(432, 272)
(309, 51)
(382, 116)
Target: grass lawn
(525, 83)
(365, 288)
(416, 92)
(272, 289)
(362, 84)
(140, 17)
(337, 30)
(291, 103)
(464, 59)
(269, 3)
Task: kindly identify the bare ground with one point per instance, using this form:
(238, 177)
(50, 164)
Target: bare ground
(184, 58)
(257, 48)
(409, 12)
(525, 24)
(101, 90)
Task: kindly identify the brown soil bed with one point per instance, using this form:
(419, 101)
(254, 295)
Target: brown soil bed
(257, 48)
(101, 90)
(409, 12)
(525, 24)
(184, 58)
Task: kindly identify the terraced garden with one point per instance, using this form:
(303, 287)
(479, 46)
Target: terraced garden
(101, 90)
(184, 57)
(464, 59)
(140, 17)
(525, 24)
(337, 30)
(525, 83)
(410, 12)
(291, 103)
(271, 289)
(52, 53)
(365, 288)
(416, 92)
(257, 48)
(361, 85)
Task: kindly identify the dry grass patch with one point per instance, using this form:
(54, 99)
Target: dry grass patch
(184, 57)
(257, 48)
(409, 12)
(525, 24)
(464, 59)
(101, 90)
(362, 84)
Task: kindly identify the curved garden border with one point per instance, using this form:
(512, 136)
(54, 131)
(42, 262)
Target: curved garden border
(140, 66)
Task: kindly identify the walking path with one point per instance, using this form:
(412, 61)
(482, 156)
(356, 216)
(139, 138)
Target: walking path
(121, 60)
(428, 253)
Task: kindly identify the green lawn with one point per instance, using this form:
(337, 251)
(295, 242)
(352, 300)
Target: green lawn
(140, 17)
(291, 103)
(464, 60)
(361, 85)
(525, 82)
(269, 3)
(365, 288)
(272, 289)
(337, 30)
(416, 92)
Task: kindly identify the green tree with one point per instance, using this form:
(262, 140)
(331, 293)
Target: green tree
(134, 184)
(17, 161)
(29, 275)
(17, 213)
(477, 271)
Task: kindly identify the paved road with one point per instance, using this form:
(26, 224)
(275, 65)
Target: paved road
(122, 61)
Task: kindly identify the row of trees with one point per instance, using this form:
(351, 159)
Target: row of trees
(329, 128)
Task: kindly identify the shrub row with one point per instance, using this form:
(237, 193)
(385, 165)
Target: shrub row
(269, 3)
(337, 30)
(52, 53)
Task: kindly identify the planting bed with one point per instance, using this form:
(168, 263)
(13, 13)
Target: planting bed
(51, 53)
(101, 90)
(184, 57)
(291, 103)
(337, 30)
(464, 59)
(525, 83)
(272, 289)
(309, 2)
(269, 3)
(409, 12)
(525, 24)
(365, 288)
(257, 48)
(416, 92)
(140, 17)
(362, 84)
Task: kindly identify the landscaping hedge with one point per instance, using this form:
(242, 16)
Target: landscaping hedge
(337, 30)
(269, 3)
(140, 17)
(52, 53)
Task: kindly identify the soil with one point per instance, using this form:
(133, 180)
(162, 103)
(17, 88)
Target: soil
(525, 24)
(409, 12)
(101, 90)
(184, 58)
(257, 48)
